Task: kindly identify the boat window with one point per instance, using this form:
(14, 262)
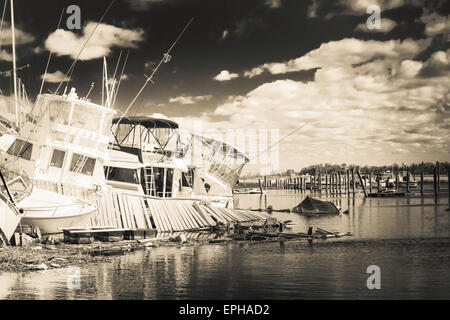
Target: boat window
(121, 175)
(21, 149)
(188, 178)
(86, 118)
(57, 158)
(169, 182)
(82, 164)
(159, 181)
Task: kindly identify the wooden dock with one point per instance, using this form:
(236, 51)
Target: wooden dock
(130, 212)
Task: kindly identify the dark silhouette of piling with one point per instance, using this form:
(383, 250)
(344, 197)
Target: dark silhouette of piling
(421, 181)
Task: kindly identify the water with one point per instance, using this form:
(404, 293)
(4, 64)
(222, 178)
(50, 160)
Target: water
(409, 239)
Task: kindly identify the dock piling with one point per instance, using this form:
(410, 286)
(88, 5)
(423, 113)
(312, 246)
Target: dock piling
(353, 182)
(421, 180)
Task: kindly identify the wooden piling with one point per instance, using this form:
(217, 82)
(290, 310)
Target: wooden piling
(407, 180)
(340, 183)
(438, 175)
(348, 183)
(396, 181)
(421, 179)
(326, 182)
(260, 186)
(362, 183)
(370, 182)
(435, 181)
(320, 182)
(378, 182)
(353, 182)
(448, 183)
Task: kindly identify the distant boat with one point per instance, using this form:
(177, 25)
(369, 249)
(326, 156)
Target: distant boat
(249, 191)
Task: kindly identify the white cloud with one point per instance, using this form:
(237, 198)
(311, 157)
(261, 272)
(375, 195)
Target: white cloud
(143, 4)
(67, 43)
(386, 26)
(225, 34)
(21, 36)
(225, 75)
(274, 4)
(55, 77)
(190, 99)
(435, 24)
(329, 9)
(5, 56)
(344, 53)
(367, 96)
(123, 78)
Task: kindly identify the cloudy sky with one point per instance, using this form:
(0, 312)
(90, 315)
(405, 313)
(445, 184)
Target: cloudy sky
(360, 95)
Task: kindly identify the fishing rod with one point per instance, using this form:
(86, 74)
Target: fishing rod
(165, 59)
(7, 72)
(282, 139)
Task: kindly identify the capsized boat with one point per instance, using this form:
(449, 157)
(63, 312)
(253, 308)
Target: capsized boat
(314, 206)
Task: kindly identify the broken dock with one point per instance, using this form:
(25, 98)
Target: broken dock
(131, 212)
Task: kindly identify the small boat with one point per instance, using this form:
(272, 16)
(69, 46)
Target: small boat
(52, 212)
(314, 206)
(249, 191)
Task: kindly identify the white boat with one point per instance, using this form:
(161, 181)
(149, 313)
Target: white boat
(167, 168)
(52, 212)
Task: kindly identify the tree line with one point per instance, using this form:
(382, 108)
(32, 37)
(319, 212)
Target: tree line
(414, 168)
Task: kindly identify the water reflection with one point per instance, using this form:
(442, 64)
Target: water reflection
(408, 238)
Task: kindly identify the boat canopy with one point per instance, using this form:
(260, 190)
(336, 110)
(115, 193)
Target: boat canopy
(147, 122)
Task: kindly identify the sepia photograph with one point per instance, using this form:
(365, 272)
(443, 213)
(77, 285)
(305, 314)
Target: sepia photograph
(226, 154)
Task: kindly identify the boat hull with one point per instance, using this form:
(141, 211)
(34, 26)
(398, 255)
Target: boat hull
(51, 224)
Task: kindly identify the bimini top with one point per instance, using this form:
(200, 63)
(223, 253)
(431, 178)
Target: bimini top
(147, 122)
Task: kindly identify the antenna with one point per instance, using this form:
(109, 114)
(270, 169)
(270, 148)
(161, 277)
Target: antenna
(165, 59)
(90, 89)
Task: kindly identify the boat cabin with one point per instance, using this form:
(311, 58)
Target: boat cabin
(65, 141)
(156, 144)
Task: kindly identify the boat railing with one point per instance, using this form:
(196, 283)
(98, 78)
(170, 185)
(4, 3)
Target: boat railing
(8, 202)
(19, 184)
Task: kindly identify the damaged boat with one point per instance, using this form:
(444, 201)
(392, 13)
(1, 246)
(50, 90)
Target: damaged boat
(314, 206)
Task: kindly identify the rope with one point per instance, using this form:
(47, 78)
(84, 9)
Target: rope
(50, 55)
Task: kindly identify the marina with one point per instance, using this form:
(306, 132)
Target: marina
(153, 150)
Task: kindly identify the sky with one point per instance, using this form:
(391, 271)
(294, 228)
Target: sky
(310, 73)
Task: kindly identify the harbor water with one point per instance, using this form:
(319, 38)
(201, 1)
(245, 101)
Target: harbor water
(407, 238)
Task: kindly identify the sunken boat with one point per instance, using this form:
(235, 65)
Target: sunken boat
(314, 206)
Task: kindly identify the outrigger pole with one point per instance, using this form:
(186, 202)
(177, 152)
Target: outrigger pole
(165, 59)
(13, 35)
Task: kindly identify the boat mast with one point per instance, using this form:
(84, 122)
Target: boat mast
(14, 62)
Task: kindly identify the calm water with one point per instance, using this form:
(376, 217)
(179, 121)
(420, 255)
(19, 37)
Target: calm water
(409, 239)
